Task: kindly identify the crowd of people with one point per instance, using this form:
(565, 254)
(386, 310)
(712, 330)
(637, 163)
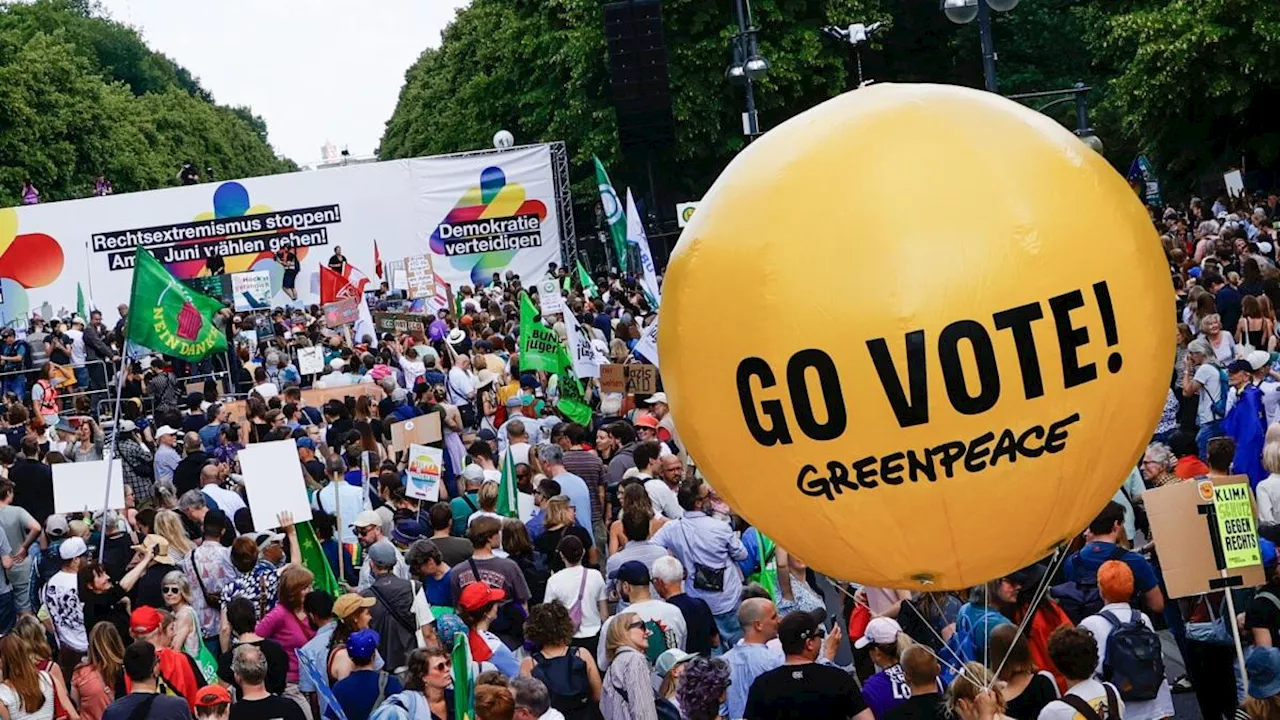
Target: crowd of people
(629, 591)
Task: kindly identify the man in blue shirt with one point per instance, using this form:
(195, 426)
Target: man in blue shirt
(365, 688)
(1103, 534)
(12, 359)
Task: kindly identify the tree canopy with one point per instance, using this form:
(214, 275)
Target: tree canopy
(82, 96)
(1184, 81)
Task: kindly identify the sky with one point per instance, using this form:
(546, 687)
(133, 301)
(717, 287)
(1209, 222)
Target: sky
(315, 70)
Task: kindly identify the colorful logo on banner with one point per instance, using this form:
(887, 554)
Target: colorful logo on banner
(231, 200)
(27, 260)
(488, 226)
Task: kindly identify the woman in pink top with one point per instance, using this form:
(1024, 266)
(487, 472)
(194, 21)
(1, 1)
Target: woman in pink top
(287, 621)
(99, 680)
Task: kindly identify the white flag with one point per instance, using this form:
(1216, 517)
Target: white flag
(647, 345)
(637, 237)
(586, 357)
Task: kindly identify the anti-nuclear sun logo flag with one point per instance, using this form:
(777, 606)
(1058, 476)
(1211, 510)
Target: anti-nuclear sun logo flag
(169, 318)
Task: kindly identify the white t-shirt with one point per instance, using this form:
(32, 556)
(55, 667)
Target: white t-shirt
(563, 586)
(228, 502)
(14, 703)
(267, 390)
(1162, 705)
(422, 615)
(519, 452)
(663, 499)
(1093, 693)
(77, 346)
(62, 597)
(1271, 399)
(663, 616)
(1211, 389)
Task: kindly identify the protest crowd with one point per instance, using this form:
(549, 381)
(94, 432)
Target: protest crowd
(574, 562)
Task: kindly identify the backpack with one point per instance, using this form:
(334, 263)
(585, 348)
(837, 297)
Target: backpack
(1133, 661)
(1219, 405)
(963, 647)
(566, 681)
(401, 706)
(1081, 599)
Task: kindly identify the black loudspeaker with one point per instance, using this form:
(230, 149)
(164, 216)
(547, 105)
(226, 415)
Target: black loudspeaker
(638, 70)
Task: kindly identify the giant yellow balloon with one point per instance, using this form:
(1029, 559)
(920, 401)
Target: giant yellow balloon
(918, 334)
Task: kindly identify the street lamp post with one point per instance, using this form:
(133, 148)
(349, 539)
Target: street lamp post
(748, 65)
(963, 12)
(1078, 94)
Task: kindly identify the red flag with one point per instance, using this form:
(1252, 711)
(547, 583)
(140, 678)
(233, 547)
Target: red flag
(334, 286)
(377, 260)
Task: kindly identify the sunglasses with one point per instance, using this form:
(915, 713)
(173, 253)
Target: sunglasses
(817, 633)
(440, 667)
(172, 591)
(637, 625)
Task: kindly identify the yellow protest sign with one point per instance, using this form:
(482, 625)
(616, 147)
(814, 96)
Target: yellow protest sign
(1236, 532)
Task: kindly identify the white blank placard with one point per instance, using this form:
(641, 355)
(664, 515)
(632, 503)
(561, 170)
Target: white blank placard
(80, 486)
(273, 482)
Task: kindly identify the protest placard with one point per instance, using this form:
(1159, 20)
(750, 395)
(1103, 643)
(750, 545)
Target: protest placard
(424, 470)
(80, 486)
(399, 323)
(422, 430)
(311, 360)
(251, 290)
(273, 483)
(420, 276)
(550, 301)
(629, 379)
(1236, 533)
(1186, 546)
(342, 312)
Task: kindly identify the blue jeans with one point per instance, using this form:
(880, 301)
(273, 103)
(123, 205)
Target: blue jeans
(16, 384)
(1207, 432)
(730, 630)
(82, 378)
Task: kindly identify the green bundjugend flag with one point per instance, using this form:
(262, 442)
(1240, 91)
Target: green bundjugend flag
(613, 214)
(313, 559)
(508, 500)
(167, 316)
(540, 349)
(588, 285)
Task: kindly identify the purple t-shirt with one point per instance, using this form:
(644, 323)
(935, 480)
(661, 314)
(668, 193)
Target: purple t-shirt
(886, 690)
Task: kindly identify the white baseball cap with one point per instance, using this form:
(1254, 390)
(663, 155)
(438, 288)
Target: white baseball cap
(165, 430)
(658, 397)
(367, 518)
(72, 548)
(1258, 359)
(881, 631)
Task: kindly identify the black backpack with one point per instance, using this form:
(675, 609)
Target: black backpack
(1133, 660)
(1082, 599)
(566, 681)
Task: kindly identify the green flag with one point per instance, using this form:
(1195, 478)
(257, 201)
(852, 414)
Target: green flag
(767, 575)
(539, 344)
(464, 687)
(588, 285)
(508, 500)
(613, 214)
(312, 557)
(540, 349)
(167, 316)
(81, 309)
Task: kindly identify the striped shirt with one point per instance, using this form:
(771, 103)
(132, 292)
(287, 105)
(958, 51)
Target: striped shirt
(587, 465)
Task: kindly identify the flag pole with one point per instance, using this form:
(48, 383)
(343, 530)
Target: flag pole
(115, 415)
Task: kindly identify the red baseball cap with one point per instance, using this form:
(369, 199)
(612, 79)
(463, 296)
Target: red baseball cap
(212, 696)
(477, 595)
(145, 620)
(647, 421)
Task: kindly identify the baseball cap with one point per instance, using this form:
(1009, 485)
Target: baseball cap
(266, 538)
(487, 435)
(127, 426)
(164, 431)
(305, 443)
(406, 531)
(671, 658)
(479, 594)
(362, 644)
(212, 696)
(337, 363)
(56, 526)
(473, 474)
(647, 421)
(346, 605)
(658, 397)
(633, 572)
(383, 553)
(448, 626)
(367, 518)
(145, 620)
(881, 631)
(1258, 359)
(1239, 366)
(798, 627)
(72, 548)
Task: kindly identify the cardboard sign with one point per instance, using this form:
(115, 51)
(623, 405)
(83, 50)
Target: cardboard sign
(549, 297)
(422, 430)
(342, 312)
(1183, 541)
(629, 379)
(311, 360)
(420, 276)
(399, 323)
(273, 483)
(1236, 533)
(80, 486)
(425, 468)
